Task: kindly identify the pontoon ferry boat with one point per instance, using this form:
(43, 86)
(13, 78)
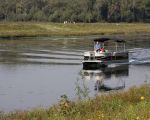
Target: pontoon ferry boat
(106, 51)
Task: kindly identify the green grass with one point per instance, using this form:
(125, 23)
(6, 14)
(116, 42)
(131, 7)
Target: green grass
(23, 29)
(133, 104)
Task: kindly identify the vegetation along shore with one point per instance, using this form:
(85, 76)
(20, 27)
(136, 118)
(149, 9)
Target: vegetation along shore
(33, 29)
(133, 104)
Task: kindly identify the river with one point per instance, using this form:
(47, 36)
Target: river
(36, 71)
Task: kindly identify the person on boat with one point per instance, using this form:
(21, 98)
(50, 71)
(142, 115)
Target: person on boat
(97, 46)
(102, 50)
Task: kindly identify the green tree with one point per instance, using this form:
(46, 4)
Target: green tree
(75, 10)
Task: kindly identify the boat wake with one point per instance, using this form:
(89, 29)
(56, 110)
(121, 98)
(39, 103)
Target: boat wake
(141, 56)
(43, 56)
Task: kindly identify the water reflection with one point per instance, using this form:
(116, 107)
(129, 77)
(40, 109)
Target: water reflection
(102, 75)
(9, 56)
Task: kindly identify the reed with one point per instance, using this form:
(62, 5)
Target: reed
(23, 29)
(133, 104)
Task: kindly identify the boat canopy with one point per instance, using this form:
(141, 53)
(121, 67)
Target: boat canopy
(107, 39)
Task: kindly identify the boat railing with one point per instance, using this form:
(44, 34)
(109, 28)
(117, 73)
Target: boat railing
(90, 55)
(115, 49)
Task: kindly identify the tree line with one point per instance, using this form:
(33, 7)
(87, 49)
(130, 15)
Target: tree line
(75, 10)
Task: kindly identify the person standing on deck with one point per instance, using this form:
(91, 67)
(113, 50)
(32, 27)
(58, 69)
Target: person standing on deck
(97, 46)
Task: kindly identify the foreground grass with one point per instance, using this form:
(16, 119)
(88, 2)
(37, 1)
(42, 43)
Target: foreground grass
(23, 29)
(131, 105)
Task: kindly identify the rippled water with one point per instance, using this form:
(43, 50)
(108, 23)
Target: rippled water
(35, 72)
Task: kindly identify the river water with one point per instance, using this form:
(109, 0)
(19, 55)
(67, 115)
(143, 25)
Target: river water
(35, 72)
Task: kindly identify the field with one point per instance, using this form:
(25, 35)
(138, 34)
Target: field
(28, 29)
(133, 104)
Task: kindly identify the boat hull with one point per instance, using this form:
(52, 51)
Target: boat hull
(93, 65)
(96, 64)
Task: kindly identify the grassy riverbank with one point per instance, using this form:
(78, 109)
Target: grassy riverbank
(133, 104)
(24, 29)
